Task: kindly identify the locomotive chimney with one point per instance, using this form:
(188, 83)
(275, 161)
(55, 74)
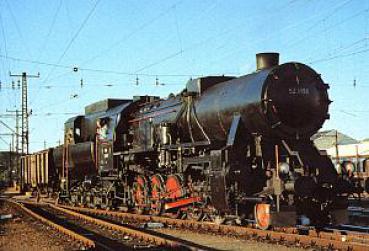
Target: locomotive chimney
(266, 60)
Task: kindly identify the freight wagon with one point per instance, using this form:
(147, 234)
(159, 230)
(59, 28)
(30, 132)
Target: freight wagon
(38, 171)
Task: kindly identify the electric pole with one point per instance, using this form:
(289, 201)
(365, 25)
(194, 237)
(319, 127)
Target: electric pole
(10, 164)
(25, 131)
(12, 140)
(17, 115)
(336, 144)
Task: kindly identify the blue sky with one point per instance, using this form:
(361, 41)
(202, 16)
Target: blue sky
(113, 42)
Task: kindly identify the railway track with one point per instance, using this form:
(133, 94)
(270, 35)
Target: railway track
(359, 215)
(74, 236)
(332, 239)
(99, 234)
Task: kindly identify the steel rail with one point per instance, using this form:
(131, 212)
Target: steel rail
(160, 241)
(71, 234)
(335, 240)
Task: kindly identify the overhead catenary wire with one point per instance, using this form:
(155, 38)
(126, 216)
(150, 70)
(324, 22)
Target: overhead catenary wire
(24, 43)
(190, 47)
(69, 45)
(85, 93)
(35, 101)
(337, 8)
(6, 53)
(63, 101)
(116, 72)
(3, 35)
(74, 37)
(54, 113)
(177, 27)
(337, 24)
(325, 59)
(104, 71)
(141, 27)
(3, 140)
(68, 15)
(344, 48)
(179, 52)
(50, 30)
(265, 38)
(339, 51)
(352, 44)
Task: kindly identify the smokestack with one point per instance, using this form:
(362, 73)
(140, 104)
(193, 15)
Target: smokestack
(266, 60)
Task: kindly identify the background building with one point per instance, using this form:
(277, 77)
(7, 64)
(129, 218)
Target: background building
(341, 147)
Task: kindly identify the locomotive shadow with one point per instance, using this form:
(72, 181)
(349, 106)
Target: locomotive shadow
(166, 236)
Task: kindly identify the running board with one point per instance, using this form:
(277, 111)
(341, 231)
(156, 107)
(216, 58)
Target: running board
(181, 202)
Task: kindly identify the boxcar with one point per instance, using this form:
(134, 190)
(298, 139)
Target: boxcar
(39, 171)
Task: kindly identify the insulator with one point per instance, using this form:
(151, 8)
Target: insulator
(137, 80)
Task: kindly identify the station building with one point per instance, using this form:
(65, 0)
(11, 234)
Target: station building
(342, 149)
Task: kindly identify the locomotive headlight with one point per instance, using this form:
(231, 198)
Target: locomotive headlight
(283, 168)
(349, 167)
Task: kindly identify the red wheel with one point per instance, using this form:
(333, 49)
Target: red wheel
(173, 187)
(262, 216)
(139, 193)
(157, 189)
(157, 186)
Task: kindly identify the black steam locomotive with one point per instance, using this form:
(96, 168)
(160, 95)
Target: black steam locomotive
(225, 149)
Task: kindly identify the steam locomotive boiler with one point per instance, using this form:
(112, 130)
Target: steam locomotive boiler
(224, 149)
